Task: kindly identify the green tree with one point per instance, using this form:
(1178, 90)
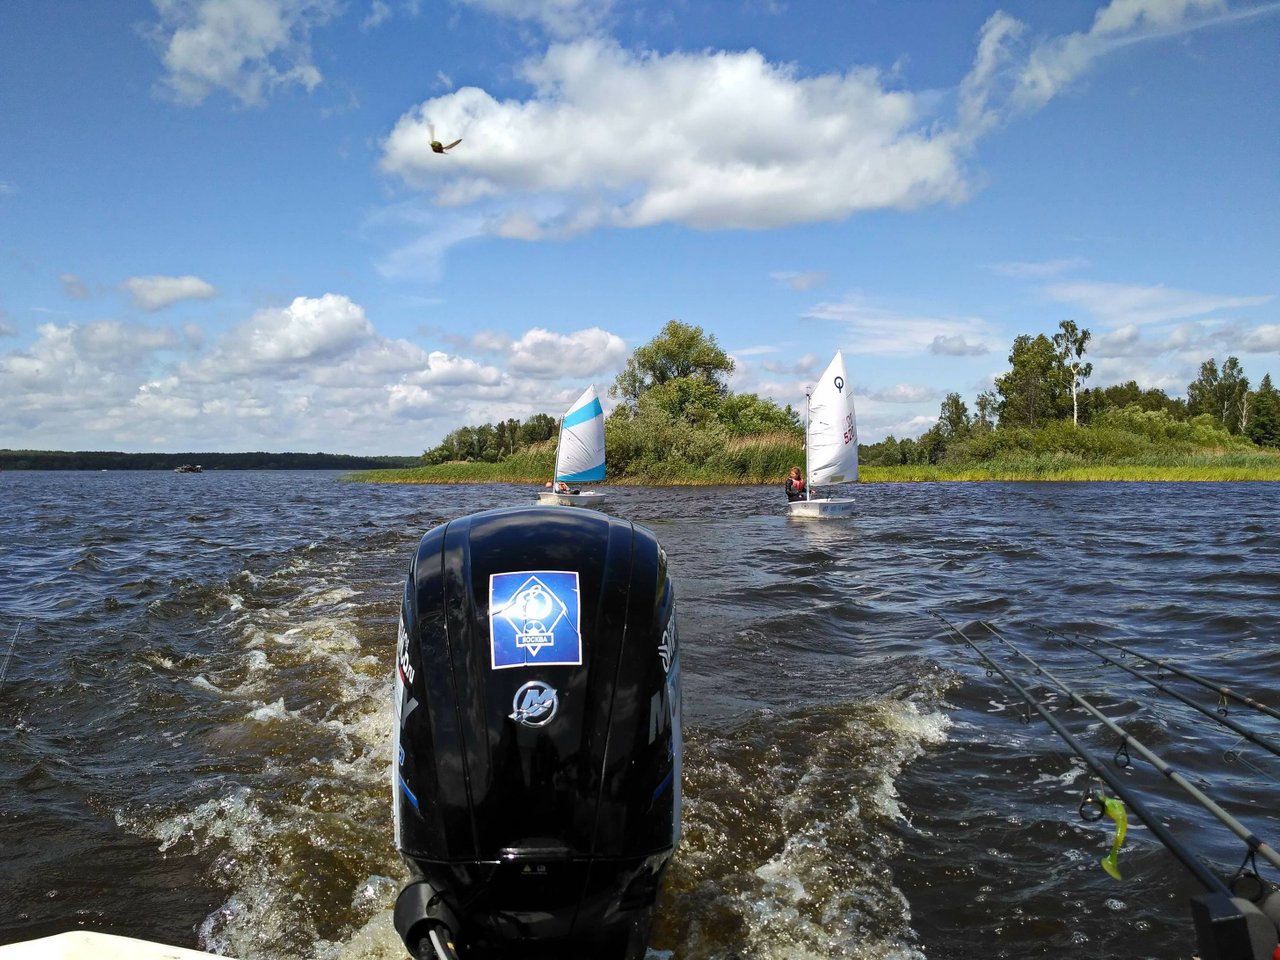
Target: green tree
(679, 351)
(536, 429)
(1094, 402)
(1223, 394)
(1070, 342)
(986, 409)
(1264, 421)
(953, 418)
(1032, 392)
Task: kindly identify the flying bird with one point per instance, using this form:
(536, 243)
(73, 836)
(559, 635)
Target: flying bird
(437, 146)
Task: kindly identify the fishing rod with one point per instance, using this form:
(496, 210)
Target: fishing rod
(1254, 844)
(4, 671)
(1266, 743)
(1207, 879)
(1222, 691)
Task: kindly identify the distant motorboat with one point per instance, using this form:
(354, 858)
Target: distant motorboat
(189, 468)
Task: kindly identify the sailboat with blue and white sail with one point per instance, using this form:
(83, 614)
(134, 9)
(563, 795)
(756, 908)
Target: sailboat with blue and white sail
(579, 453)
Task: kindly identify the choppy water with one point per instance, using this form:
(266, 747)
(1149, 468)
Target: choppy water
(195, 717)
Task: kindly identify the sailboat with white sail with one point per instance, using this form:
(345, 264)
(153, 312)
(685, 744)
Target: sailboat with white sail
(831, 444)
(579, 454)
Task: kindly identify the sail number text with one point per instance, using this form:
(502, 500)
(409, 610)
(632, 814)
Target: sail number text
(849, 430)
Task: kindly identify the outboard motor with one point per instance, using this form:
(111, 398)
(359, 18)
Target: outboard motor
(538, 745)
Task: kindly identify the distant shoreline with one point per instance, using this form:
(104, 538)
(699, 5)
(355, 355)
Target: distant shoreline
(20, 460)
(452, 474)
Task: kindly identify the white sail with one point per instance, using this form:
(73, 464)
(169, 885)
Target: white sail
(831, 436)
(580, 455)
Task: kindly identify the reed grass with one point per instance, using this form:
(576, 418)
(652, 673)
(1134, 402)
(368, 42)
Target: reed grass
(701, 458)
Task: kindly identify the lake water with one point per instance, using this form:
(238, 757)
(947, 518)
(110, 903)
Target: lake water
(195, 713)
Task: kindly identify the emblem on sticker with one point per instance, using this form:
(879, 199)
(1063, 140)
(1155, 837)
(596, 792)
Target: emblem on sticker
(534, 704)
(534, 619)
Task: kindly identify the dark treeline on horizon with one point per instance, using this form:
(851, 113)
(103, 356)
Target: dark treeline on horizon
(111, 460)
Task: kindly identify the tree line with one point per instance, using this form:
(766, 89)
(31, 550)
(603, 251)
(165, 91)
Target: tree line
(1044, 390)
(111, 460)
(674, 405)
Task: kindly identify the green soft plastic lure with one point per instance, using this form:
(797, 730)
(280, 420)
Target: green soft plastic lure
(1116, 811)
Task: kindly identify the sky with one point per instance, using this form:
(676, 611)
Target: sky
(223, 228)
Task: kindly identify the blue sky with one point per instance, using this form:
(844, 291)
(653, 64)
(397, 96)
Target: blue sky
(222, 227)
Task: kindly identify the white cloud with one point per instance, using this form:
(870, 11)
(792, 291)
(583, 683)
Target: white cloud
(799, 281)
(314, 375)
(249, 48)
(1120, 304)
(7, 329)
(877, 330)
(1263, 339)
(1038, 270)
(641, 139)
(1054, 64)
(156, 293)
(957, 346)
(73, 287)
(562, 18)
(905, 393)
(545, 355)
(806, 365)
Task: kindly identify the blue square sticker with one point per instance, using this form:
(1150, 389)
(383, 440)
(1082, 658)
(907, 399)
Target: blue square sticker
(534, 619)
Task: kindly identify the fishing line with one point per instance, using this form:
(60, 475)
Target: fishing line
(1231, 823)
(1255, 738)
(1218, 688)
(1233, 755)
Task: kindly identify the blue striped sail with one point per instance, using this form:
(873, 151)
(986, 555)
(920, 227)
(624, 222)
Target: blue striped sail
(580, 455)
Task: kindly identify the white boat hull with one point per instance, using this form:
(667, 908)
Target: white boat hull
(820, 508)
(587, 498)
(85, 945)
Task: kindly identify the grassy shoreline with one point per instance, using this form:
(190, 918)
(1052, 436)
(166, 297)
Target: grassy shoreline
(1194, 470)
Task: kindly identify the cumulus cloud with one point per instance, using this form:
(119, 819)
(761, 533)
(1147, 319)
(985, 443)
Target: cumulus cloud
(285, 341)
(647, 138)
(1263, 339)
(545, 355)
(156, 293)
(249, 48)
(957, 346)
(312, 375)
(1119, 304)
(7, 329)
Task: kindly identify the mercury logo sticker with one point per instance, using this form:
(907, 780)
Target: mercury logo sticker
(667, 648)
(534, 619)
(534, 704)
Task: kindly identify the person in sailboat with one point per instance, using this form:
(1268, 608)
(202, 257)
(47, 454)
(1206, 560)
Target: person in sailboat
(795, 485)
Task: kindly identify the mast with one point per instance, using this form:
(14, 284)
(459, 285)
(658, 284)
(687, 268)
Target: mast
(555, 464)
(807, 485)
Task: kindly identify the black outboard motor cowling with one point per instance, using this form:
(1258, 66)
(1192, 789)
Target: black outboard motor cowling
(538, 744)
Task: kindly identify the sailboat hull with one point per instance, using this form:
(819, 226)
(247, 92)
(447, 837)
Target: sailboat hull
(820, 509)
(587, 498)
